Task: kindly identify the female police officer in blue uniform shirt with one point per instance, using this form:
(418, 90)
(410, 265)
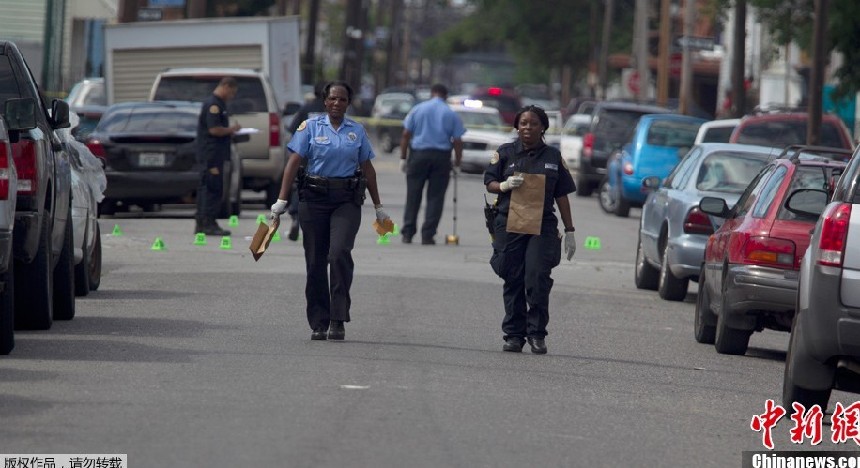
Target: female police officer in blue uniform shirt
(334, 149)
(525, 261)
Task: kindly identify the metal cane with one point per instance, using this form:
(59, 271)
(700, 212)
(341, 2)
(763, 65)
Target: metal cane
(454, 239)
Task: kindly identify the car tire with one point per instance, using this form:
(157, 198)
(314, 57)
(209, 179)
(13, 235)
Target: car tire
(704, 329)
(606, 198)
(670, 287)
(791, 392)
(82, 273)
(7, 312)
(96, 262)
(645, 276)
(729, 340)
(107, 207)
(583, 187)
(34, 290)
(231, 199)
(622, 205)
(64, 277)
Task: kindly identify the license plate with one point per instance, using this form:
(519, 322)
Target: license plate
(151, 160)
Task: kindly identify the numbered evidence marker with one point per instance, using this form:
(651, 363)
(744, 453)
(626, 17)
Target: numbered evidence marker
(592, 243)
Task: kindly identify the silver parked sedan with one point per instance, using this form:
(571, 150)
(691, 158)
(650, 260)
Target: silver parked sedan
(672, 230)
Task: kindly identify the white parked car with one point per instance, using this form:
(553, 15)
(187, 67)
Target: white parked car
(716, 131)
(386, 103)
(571, 138)
(485, 132)
(552, 136)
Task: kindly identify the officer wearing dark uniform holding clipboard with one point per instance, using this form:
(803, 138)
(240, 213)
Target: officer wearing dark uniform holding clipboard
(213, 150)
(525, 261)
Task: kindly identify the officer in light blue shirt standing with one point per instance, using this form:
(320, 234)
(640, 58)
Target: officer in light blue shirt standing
(430, 131)
(338, 156)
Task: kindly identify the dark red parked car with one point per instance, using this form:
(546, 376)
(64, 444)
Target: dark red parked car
(748, 281)
(789, 128)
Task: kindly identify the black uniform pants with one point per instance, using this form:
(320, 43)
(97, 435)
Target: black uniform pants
(329, 223)
(525, 262)
(433, 169)
(209, 193)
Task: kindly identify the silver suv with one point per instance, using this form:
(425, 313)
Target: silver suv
(824, 349)
(254, 106)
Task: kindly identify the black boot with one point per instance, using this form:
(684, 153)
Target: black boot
(538, 345)
(336, 330)
(212, 228)
(294, 229)
(514, 344)
(199, 224)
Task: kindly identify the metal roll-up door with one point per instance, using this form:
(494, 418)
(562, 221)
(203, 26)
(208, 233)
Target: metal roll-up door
(135, 69)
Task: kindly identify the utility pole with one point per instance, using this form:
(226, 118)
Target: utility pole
(311, 44)
(663, 54)
(739, 92)
(196, 8)
(687, 59)
(608, 11)
(127, 11)
(816, 75)
(351, 67)
(641, 43)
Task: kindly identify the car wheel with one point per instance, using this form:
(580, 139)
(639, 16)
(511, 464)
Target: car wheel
(622, 205)
(670, 287)
(386, 142)
(272, 192)
(645, 275)
(64, 278)
(583, 187)
(236, 195)
(82, 273)
(107, 207)
(703, 327)
(96, 262)
(232, 193)
(7, 312)
(34, 290)
(606, 197)
(729, 340)
(791, 392)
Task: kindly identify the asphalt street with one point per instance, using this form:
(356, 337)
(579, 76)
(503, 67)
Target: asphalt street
(199, 356)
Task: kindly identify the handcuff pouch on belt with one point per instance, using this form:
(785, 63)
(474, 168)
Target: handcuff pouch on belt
(321, 185)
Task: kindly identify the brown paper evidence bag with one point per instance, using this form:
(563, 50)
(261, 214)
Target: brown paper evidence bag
(262, 238)
(525, 213)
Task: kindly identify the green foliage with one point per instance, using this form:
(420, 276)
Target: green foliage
(845, 33)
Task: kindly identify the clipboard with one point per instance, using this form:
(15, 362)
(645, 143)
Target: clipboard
(262, 238)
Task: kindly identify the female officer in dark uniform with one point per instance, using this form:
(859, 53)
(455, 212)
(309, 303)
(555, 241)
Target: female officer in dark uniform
(337, 155)
(525, 261)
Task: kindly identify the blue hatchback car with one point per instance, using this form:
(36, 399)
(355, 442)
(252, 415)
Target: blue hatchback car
(656, 145)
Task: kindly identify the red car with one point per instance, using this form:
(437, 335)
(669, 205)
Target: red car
(789, 128)
(748, 281)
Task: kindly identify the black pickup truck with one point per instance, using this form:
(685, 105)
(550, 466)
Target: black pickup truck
(42, 237)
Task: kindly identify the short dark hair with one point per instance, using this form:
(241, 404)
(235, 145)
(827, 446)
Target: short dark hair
(343, 84)
(439, 89)
(536, 110)
(229, 82)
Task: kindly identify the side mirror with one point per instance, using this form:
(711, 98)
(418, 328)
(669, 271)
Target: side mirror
(20, 114)
(807, 202)
(291, 108)
(714, 206)
(651, 183)
(682, 151)
(60, 113)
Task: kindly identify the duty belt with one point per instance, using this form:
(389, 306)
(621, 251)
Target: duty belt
(332, 182)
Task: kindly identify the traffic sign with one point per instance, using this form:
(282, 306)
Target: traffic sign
(695, 43)
(149, 14)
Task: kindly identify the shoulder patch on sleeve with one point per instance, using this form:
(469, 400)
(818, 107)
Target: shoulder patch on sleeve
(213, 109)
(302, 125)
(495, 158)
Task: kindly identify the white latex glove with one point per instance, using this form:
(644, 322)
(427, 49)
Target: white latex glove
(381, 215)
(278, 208)
(511, 183)
(403, 166)
(569, 245)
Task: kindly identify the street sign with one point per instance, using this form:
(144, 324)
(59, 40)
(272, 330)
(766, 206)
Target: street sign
(695, 43)
(149, 14)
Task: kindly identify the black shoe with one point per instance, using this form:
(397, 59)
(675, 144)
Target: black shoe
(407, 239)
(294, 230)
(319, 335)
(429, 241)
(538, 345)
(215, 230)
(336, 330)
(514, 344)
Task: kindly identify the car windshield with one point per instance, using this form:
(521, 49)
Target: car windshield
(674, 134)
(149, 120)
(249, 98)
(718, 135)
(728, 171)
(483, 120)
(786, 132)
(616, 121)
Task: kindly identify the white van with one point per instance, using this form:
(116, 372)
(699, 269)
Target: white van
(254, 106)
